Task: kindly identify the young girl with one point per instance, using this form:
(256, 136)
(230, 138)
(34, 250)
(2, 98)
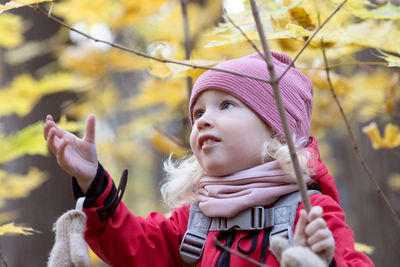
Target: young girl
(239, 161)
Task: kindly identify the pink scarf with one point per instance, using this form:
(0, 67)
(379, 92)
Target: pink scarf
(259, 186)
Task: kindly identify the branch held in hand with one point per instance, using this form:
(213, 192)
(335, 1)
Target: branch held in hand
(281, 108)
(237, 253)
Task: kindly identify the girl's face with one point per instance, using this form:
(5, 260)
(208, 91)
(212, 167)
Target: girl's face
(226, 136)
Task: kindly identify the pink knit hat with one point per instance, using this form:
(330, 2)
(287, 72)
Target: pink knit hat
(296, 90)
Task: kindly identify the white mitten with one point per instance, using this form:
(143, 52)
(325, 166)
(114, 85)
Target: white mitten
(294, 256)
(70, 248)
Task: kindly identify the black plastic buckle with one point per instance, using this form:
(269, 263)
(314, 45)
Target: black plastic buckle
(284, 231)
(192, 247)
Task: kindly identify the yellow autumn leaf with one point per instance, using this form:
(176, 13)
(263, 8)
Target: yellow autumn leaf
(360, 34)
(91, 12)
(32, 49)
(364, 248)
(394, 181)
(392, 90)
(166, 145)
(85, 60)
(24, 91)
(136, 10)
(302, 17)
(11, 30)
(20, 3)
(12, 229)
(340, 32)
(124, 61)
(143, 125)
(296, 31)
(354, 5)
(171, 93)
(393, 61)
(391, 138)
(387, 11)
(367, 95)
(161, 50)
(167, 25)
(29, 141)
(341, 84)
(180, 71)
(20, 185)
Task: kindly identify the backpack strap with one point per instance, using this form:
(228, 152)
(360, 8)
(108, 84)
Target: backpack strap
(280, 218)
(285, 214)
(193, 241)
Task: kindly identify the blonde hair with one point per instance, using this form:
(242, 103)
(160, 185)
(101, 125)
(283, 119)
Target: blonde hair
(182, 175)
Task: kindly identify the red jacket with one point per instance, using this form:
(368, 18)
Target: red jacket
(128, 240)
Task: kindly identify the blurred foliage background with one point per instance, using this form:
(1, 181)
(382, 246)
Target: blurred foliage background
(141, 104)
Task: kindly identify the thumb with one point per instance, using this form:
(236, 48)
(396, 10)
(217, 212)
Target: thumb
(90, 129)
(300, 238)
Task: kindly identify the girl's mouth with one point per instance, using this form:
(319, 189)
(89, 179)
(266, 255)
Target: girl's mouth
(207, 141)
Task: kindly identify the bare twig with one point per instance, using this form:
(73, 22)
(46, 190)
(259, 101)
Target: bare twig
(358, 63)
(237, 253)
(281, 108)
(312, 37)
(355, 146)
(243, 33)
(3, 260)
(187, 41)
(142, 54)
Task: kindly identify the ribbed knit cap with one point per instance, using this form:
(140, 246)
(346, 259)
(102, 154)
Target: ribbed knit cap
(296, 91)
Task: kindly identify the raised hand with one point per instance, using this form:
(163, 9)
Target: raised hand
(312, 232)
(77, 156)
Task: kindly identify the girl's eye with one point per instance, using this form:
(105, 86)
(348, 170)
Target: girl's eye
(226, 105)
(198, 113)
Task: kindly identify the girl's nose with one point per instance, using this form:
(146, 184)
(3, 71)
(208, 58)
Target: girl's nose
(204, 122)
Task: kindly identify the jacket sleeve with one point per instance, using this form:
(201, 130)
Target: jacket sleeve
(128, 240)
(345, 253)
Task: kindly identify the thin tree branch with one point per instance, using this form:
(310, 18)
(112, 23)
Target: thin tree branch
(355, 146)
(281, 108)
(187, 42)
(312, 37)
(142, 54)
(3, 260)
(243, 33)
(237, 253)
(357, 63)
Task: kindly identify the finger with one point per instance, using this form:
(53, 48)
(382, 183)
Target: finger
(326, 244)
(299, 236)
(49, 118)
(90, 129)
(315, 212)
(46, 128)
(61, 151)
(319, 236)
(49, 125)
(51, 143)
(315, 225)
